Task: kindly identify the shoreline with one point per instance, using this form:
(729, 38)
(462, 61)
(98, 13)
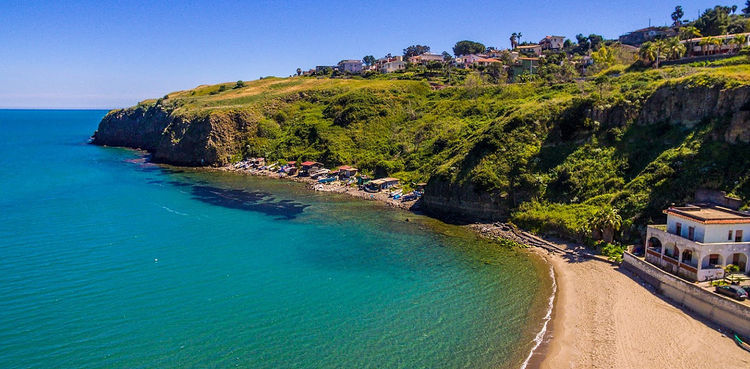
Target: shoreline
(535, 358)
(587, 327)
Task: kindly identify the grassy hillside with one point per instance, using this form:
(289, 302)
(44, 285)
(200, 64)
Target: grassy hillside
(553, 154)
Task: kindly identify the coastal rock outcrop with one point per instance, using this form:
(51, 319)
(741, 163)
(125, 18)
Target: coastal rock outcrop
(210, 140)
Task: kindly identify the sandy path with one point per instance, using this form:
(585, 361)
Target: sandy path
(605, 319)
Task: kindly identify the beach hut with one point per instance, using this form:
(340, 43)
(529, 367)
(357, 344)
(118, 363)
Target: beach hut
(346, 171)
(383, 183)
(309, 167)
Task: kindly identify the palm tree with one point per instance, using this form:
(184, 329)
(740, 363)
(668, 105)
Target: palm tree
(652, 51)
(647, 52)
(704, 42)
(674, 48)
(514, 40)
(689, 33)
(607, 221)
(740, 40)
(717, 43)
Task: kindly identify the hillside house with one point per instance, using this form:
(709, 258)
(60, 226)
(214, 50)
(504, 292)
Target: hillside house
(393, 66)
(727, 45)
(534, 50)
(637, 37)
(699, 241)
(467, 60)
(350, 66)
(425, 58)
(552, 43)
(487, 62)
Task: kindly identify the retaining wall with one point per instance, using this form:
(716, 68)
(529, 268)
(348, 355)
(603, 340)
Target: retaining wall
(709, 305)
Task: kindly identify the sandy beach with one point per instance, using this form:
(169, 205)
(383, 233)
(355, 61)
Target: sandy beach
(604, 317)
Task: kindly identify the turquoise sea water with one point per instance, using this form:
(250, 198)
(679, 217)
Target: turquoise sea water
(110, 262)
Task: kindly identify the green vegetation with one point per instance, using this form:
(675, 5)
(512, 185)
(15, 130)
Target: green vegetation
(567, 157)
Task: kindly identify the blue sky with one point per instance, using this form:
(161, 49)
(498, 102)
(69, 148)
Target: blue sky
(106, 54)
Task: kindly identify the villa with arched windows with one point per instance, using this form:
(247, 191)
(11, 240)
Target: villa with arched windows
(699, 241)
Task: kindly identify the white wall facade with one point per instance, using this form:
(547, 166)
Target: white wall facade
(708, 233)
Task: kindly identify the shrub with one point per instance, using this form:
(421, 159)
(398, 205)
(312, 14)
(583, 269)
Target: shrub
(612, 251)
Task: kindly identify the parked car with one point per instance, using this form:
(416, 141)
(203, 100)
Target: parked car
(747, 289)
(735, 292)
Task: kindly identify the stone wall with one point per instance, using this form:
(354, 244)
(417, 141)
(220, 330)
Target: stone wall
(709, 305)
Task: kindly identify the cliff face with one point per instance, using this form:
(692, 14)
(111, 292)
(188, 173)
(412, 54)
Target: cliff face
(206, 141)
(688, 105)
(678, 105)
(446, 199)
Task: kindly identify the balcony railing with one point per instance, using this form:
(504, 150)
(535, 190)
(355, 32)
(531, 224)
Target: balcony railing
(661, 231)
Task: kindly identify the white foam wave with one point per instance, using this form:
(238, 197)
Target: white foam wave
(172, 211)
(540, 335)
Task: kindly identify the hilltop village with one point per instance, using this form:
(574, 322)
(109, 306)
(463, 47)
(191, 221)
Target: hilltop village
(718, 33)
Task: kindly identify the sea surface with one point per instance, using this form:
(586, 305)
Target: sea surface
(108, 261)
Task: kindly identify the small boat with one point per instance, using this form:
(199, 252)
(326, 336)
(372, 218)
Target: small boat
(326, 180)
(742, 342)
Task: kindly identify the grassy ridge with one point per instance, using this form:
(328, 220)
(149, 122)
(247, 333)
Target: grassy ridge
(535, 145)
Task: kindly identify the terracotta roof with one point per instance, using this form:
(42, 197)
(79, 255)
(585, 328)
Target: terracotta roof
(346, 167)
(309, 163)
(528, 58)
(487, 60)
(291, 162)
(709, 214)
(527, 46)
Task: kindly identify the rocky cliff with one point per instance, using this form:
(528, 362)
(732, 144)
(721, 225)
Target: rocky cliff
(208, 140)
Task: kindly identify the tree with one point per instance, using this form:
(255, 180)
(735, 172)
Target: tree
(714, 21)
(240, 84)
(652, 52)
(673, 48)
(447, 56)
(689, 33)
(677, 15)
(746, 9)
(299, 71)
(495, 72)
(704, 43)
(603, 56)
(467, 47)
(607, 221)
(369, 60)
(415, 50)
(739, 40)
(594, 41)
(568, 44)
(514, 40)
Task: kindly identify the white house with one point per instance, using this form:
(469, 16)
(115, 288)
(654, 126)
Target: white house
(351, 66)
(468, 60)
(534, 49)
(552, 43)
(392, 66)
(425, 58)
(699, 240)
